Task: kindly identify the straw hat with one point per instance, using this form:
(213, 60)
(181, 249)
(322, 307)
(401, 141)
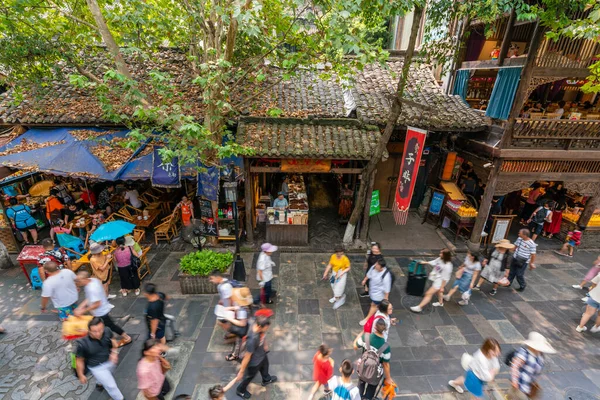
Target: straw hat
(268, 247)
(505, 244)
(96, 248)
(538, 342)
(129, 241)
(242, 296)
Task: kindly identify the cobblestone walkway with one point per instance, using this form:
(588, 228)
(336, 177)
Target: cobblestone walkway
(426, 348)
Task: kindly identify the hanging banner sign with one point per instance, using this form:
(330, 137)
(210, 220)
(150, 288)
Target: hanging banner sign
(208, 184)
(375, 204)
(411, 159)
(165, 173)
(305, 165)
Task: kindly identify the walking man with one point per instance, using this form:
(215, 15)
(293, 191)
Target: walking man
(525, 250)
(98, 352)
(60, 287)
(223, 287)
(96, 303)
(155, 315)
(256, 359)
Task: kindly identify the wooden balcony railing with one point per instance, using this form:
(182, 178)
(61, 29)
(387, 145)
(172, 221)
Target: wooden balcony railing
(556, 134)
(550, 166)
(567, 53)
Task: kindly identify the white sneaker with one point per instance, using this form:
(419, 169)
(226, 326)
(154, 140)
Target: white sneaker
(332, 300)
(584, 299)
(456, 387)
(339, 303)
(477, 288)
(111, 296)
(438, 304)
(576, 286)
(578, 329)
(137, 292)
(595, 329)
(463, 302)
(416, 309)
(362, 322)
(446, 297)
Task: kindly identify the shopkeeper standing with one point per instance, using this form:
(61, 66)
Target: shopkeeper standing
(280, 202)
(284, 186)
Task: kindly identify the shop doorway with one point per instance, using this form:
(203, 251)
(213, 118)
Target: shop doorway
(324, 228)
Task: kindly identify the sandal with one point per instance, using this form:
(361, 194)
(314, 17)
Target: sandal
(123, 342)
(231, 357)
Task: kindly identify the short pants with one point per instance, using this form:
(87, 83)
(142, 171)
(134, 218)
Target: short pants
(64, 312)
(593, 303)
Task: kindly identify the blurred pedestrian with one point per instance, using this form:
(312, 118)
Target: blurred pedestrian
(593, 307)
(123, 256)
(101, 263)
(380, 286)
(496, 266)
(591, 274)
(339, 265)
(224, 287)
(237, 326)
(373, 254)
(466, 276)
(60, 287)
(322, 370)
(375, 350)
(439, 277)
(481, 370)
(151, 370)
(155, 316)
(264, 272)
(527, 364)
(97, 351)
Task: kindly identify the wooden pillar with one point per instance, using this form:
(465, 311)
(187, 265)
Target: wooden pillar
(366, 218)
(507, 37)
(484, 208)
(592, 205)
(249, 201)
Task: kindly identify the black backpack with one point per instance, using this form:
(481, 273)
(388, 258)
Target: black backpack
(389, 271)
(540, 216)
(509, 357)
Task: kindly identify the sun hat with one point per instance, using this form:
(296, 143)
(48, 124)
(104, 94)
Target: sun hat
(505, 244)
(242, 296)
(538, 342)
(129, 241)
(268, 247)
(96, 248)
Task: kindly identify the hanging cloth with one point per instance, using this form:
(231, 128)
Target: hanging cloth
(503, 93)
(461, 83)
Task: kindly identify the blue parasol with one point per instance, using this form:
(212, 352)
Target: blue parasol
(112, 230)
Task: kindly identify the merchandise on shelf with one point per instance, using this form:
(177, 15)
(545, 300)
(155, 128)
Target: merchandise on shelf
(466, 210)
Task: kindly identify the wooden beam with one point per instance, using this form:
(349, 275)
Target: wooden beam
(549, 176)
(507, 36)
(333, 170)
(354, 171)
(539, 154)
(564, 72)
(265, 169)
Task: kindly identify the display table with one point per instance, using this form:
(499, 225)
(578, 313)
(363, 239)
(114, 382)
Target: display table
(287, 234)
(461, 222)
(29, 255)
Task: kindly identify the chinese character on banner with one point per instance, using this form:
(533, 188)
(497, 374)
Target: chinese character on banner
(165, 173)
(411, 159)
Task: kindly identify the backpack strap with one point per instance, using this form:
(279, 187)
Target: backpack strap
(383, 348)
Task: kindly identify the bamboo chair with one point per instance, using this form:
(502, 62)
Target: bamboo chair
(144, 268)
(163, 231)
(139, 235)
(534, 115)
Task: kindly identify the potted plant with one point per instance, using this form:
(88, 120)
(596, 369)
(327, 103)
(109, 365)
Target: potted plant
(195, 267)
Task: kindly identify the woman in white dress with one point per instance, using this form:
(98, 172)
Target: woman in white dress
(496, 266)
(439, 277)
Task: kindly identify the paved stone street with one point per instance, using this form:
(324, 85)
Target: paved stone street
(426, 348)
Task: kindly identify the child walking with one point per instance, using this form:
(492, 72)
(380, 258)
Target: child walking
(573, 240)
(323, 369)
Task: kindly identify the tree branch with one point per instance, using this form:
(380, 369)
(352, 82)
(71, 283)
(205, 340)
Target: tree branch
(246, 100)
(74, 18)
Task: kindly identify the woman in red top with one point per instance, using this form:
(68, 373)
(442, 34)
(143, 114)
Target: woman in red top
(187, 211)
(530, 204)
(323, 369)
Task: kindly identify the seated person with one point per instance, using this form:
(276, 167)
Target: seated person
(280, 202)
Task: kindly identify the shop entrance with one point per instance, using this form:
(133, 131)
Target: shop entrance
(324, 227)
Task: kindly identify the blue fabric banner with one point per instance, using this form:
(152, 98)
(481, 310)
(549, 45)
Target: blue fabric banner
(461, 83)
(503, 93)
(165, 174)
(208, 184)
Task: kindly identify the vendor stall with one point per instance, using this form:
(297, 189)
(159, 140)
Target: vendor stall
(289, 226)
(456, 210)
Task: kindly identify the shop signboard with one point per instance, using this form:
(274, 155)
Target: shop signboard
(411, 159)
(436, 203)
(375, 204)
(305, 165)
(165, 173)
(208, 226)
(501, 229)
(208, 183)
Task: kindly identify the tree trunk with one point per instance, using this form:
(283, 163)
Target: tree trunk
(5, 261)
(395, 111)
(590, 207)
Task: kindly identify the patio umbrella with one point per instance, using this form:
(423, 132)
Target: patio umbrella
(112, 230)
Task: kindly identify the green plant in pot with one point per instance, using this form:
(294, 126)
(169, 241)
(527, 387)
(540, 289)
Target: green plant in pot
(202, 263)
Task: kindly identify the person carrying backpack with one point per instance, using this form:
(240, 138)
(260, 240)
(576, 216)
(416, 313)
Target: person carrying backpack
(384, 311)
(23, 221)
(381, 281)
(342, 387)
(536, 221)
(374, 364)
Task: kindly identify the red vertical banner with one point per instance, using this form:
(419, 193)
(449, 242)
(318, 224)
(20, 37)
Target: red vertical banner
(411, 159)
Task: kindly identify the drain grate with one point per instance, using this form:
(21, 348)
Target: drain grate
(580, 394)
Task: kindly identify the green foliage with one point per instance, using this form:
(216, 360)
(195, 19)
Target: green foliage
(202, 263)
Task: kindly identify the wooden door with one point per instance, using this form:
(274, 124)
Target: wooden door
(386, 179)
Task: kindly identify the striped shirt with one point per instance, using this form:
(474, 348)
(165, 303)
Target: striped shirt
(525, 368)
(524, 248)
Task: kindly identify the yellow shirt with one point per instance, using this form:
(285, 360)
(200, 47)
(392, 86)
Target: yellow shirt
(338, 264)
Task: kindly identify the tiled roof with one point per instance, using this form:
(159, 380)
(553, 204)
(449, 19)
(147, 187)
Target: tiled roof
(303, 96)
(296, 138)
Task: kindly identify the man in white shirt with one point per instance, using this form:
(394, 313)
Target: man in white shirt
(133, 196)
(60, 287)
(223, 287)
(96, 303)
(264, 270)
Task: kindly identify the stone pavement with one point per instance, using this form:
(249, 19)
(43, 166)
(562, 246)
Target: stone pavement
(426, 348)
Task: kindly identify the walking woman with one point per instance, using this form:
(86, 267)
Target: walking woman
(123, 256)
(373, 255)
(439, 276)
(593, 306)
(591, 274)
(151, 370)
(339, 265)
(238, 325)
(496, 266)
(482, 369)
(466, 276)
(101, 266)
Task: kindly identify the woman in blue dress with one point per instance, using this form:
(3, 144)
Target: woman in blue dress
(466, 276)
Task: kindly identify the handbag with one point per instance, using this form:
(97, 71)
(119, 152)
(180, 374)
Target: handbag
(135, 261)
(465, 361)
